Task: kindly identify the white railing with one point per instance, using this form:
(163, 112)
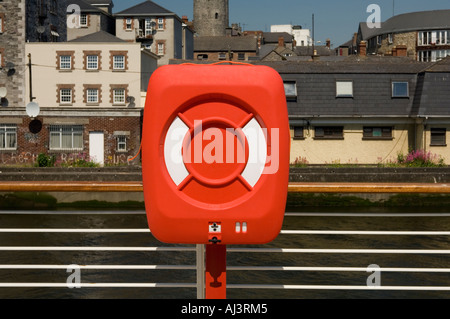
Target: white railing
(199, 252)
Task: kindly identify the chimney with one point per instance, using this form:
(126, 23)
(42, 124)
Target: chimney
(281, 42)
(363, 48)
(315, 56)
(402, 50)
(185, 19)
(328, 43)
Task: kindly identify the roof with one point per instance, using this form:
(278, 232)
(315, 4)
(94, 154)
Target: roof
(414, 21)
(100, 2)
(272, 37)
(86, 6)
(225, 43)
(100, 36)
(440, 66)
(352, 65)
(322, 50)
(144, 9)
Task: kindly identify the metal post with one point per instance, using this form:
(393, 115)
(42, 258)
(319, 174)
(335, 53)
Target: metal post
(200, 271)
(216, 267)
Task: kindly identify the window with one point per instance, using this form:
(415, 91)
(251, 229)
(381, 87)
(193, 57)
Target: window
(202, 57)
(400, 89)
(119, 62)
(222, 56)
(329, 132)
(438, 137)
(148, 27)
(92, 62)
(66, 137)
(65, 96)
(377, 133)
(298, 132)
(241, 56)
(8, 137)
(424, 56)
(65, 62)
(83, 20)
(425, 38)
(128, 24)
(390, 38)
(92, 95)
(118, 96)
(344, 88)
(160, 23)
(122, 143)
(160, 48)
(290, 89)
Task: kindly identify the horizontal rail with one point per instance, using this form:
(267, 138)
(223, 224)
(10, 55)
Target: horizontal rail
(96, 285)
(49, 186)
(335, 269)
(337, 287)
(338, 251)
(283, 232)
(91, 248)
(103, 267)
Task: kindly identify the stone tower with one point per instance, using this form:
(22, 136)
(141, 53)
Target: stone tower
(211, 17)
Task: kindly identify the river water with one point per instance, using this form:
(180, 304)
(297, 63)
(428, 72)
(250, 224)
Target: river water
(317, 219)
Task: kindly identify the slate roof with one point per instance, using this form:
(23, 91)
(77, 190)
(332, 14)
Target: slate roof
(353, 64)
(86, 6)
(272, 37)
(144, 9)
(414, 21)
(100, 36)
(218, 43)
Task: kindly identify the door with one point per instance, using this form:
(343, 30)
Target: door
(97, 147)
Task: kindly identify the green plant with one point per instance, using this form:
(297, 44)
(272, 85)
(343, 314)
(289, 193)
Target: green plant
(44, 160)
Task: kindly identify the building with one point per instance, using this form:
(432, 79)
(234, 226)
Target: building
(156, 29)
(211, 17)
(425, 35)
(366, 110)
(302, 37)
(89, 94)
(94, 16)
(22, 21)
(225, 48)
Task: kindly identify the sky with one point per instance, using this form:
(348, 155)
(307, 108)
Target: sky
(337, 20)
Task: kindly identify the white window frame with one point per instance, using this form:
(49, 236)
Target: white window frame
(92, 62)
(119, 96)
(160, 23)
(344, 88)
(83, 20)
(92, 96)
(58, 131)
(129, 24)
(5, 131)
(1, 25)
(290, 89)
(65, 96)
(65, 65)
(118, 62)
(121, 143)
(397, 95)
(161, 48)
(148, 27)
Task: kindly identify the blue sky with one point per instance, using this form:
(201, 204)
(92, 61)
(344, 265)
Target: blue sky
(334, 19)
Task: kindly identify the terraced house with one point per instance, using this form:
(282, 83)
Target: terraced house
(366, 110)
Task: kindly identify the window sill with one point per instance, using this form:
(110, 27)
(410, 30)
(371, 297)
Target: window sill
(119, 70)
(299, 138)
(96, 70)
(328, 138)
(438, 145)
(92, 104)
(121, 104)
(65, 70)
(377, 138)
(65, 104)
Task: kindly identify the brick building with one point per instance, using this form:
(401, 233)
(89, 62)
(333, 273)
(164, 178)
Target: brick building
(89, 94)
